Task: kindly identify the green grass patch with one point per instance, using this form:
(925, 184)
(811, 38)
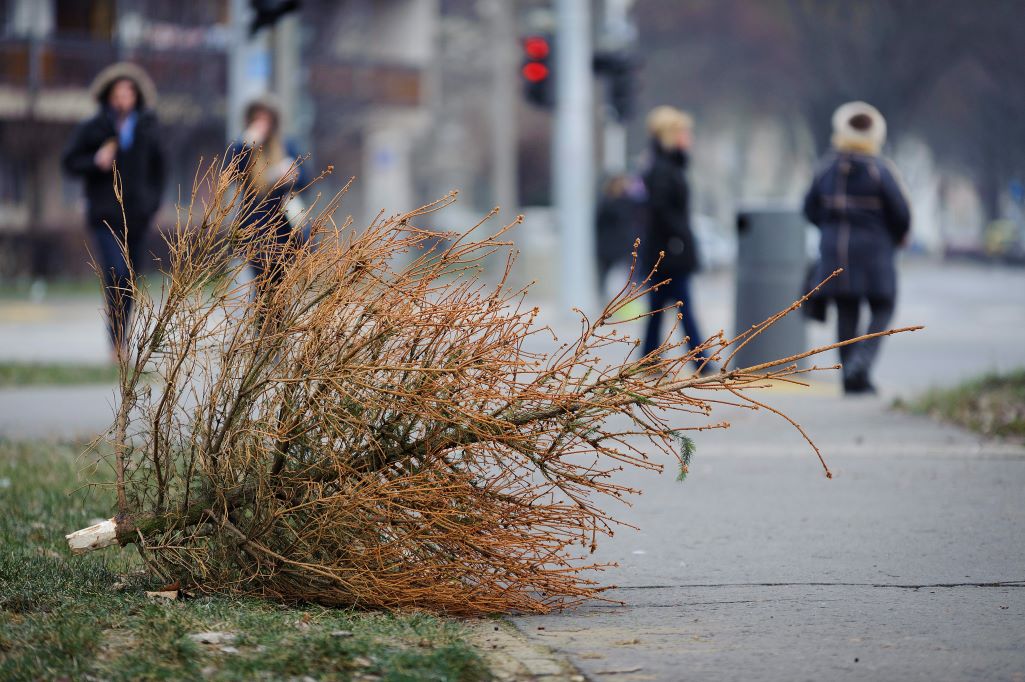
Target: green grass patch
(24, 289)
(87, 616)
(993, 405)
(56, 374)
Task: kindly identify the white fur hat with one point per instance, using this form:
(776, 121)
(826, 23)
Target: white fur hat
(105, 79)
(859, 126)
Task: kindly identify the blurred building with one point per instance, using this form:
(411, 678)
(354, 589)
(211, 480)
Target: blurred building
(49, 52)
(360, 73)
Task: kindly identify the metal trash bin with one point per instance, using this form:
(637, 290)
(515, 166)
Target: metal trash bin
(771, 265)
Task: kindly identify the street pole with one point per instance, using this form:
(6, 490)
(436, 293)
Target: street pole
(248, 66)
(285, 67)
(574, 155)
(618, 33)
(503, 114)
(614, 145)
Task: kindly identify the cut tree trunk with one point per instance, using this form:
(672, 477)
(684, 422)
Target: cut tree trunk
(94, 537)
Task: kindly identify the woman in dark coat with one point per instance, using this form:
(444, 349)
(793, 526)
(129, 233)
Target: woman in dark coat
(668, 224)
(123, 133)
(858, 202)
(272, 171)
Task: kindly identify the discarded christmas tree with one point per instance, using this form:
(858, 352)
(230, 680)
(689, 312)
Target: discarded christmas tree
(374, 426)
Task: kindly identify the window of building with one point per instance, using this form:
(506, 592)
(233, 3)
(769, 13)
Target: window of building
(89, 19)
(12, 180)
(5, 17)
(186, 13)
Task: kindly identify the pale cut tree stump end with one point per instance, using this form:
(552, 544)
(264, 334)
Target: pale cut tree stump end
(94, 537)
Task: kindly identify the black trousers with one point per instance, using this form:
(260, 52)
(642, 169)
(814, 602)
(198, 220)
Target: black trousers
(678, 289)
(113, 258)
(858, 358)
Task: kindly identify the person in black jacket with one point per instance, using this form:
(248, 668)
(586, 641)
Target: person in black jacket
(858, 202)
(669, 232)
(123, 135)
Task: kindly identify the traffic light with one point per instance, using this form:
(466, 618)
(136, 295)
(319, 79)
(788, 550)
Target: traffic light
(267, 12)
(538, 79)
(619, 70)
(621, 93)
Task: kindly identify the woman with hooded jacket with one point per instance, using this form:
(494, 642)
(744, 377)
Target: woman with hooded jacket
(858, 203)
(270, 168)
(123, 135)
(670, 242)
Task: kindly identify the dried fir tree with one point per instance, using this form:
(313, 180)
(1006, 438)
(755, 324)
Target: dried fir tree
(371, 425)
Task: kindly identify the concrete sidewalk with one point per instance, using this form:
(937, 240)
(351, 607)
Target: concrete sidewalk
(56, 412)
(909, 564)
(63, 329)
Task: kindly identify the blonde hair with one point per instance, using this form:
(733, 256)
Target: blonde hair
(665, 122)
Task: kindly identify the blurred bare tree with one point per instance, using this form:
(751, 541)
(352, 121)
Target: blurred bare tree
(948, 71)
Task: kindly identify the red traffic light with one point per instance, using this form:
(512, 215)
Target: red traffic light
(536, 69)
(535, 72)
(536, 47)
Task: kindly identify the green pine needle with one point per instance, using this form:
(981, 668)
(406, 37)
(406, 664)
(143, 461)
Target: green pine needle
(687, 448)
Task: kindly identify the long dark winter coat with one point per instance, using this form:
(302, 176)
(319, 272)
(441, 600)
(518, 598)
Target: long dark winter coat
(668, 215)
(857, 202)
(141, 167)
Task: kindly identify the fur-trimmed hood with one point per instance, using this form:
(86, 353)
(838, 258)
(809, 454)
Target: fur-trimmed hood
(858, 127)
(106, 78)
(267, 101)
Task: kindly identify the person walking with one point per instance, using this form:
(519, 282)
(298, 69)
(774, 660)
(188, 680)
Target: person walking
(270, 168)
(122, 136)
(858, 203)
(669, 233)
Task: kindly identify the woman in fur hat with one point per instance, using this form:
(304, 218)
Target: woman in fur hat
(858, 202)
(272, 171)
(122, 134)
(669, 234)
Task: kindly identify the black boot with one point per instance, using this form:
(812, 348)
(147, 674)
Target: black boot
(857, 383)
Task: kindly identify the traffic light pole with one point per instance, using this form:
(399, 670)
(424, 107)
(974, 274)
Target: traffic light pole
(573, 156)
(286, 76)
(249, 66)
(618, 32)
(613, 145)
(503, 111)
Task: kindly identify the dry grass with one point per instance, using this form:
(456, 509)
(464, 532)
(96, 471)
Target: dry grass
(993, 405)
